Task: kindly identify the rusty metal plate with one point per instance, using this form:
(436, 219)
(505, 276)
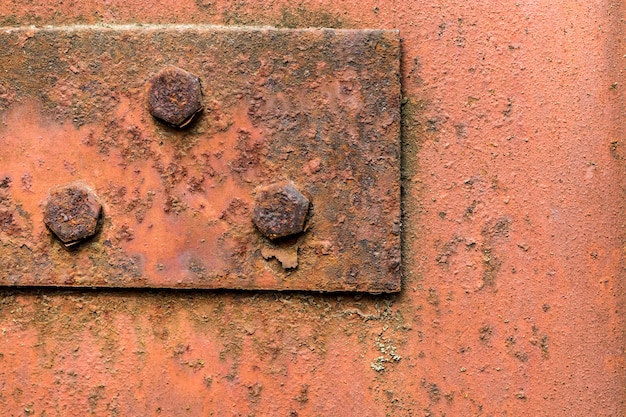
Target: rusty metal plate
(200, 157)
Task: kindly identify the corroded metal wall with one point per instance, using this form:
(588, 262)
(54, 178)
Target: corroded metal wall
(512, 301)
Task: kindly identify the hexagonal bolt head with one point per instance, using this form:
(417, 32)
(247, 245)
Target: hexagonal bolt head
(174, 96)
(279, 210)
(72, 212)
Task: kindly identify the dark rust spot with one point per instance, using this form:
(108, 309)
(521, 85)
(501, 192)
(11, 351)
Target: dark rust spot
(72, 212)
(280, 210)
(174, 96)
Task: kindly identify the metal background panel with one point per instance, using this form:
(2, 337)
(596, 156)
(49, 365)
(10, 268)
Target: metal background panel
(512, 300)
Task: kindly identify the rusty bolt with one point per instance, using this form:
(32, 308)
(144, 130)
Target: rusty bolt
(280, 210)
(72, 212)
(174, 96)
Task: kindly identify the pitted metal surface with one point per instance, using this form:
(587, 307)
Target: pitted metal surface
(317, 109)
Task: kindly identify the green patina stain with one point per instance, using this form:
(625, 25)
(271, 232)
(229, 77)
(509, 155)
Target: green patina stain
(290, 17)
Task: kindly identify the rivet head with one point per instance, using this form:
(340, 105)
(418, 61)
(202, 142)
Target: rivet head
(174, 96)
(72, 212)
(279, 210)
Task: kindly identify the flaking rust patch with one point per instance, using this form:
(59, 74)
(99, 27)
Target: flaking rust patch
(316, 110)
(287, 256)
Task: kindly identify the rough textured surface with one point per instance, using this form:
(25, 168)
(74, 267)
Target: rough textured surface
(320, 108)
(512, 301)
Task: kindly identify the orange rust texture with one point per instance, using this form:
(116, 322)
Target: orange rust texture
(512, 303)
(319, 108)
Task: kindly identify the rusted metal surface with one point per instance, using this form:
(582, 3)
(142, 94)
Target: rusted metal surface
(319, 109)
(512, 301)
